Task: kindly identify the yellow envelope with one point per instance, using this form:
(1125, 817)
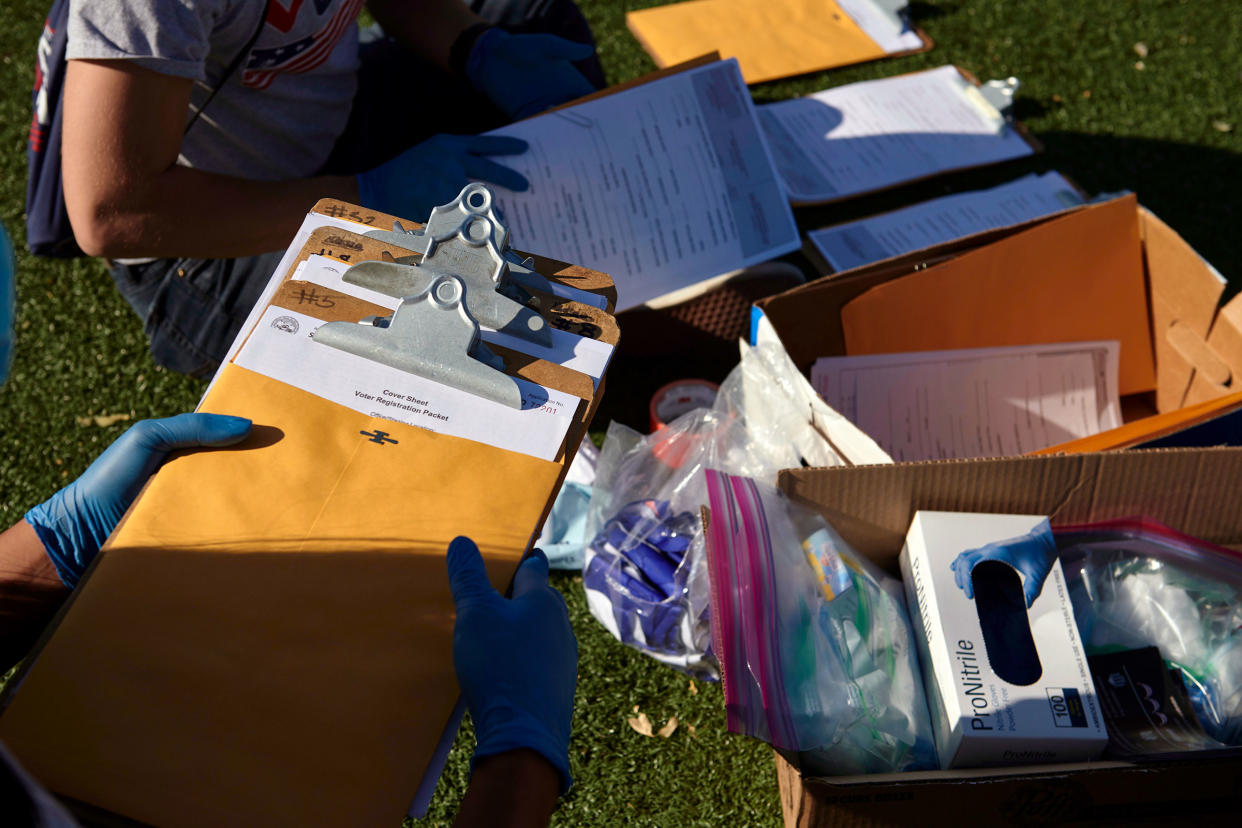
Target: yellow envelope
(1072, 279)
(266, 639)
(771, 39)
(296, 670)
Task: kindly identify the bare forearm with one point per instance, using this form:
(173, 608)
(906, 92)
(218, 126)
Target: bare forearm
(30, 592)
(427, 28)
(187, 212)
(125, 193)
(517, 789)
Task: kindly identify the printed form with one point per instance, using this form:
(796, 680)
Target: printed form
(891, 31)
(281, 347)
(981, 402)
(939, 220)
(867, 136)
(661, 186)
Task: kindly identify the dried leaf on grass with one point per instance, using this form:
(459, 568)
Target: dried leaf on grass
(1140, 49)
(641, 724)
(668, 728)
(1222, 126)
(694, 690)
(102, 420)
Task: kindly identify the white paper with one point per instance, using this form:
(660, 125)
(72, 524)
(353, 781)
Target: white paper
(857, 243)
(281, 347)
(310, 224)
(876, 134)
(981, 402)
(890, 31)
(352, 222)
(661, 186)
(587, 356)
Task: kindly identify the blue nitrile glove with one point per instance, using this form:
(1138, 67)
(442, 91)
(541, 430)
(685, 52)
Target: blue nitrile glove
(1031, 555)
(516, 659)
(433, 172)
(74, 522)
(634, 564)
(524, 74)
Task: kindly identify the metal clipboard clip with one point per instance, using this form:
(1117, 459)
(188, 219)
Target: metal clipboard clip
(513, 276)
(431, 334)
(999, 93)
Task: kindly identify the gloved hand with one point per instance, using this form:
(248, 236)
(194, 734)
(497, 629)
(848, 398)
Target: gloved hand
(516, 659)
(636, 584)
(1031, 554)
(74, 522)
(433, 172)
(524, 74)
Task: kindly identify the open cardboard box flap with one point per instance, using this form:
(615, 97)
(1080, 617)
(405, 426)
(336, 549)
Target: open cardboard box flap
(1196, 348)
(1191, 490)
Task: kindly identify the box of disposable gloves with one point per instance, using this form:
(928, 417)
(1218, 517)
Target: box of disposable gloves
(1004, 668)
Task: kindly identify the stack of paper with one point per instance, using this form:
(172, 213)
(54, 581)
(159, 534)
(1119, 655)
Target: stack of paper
(982, 402)
(919, 226)
(869, 136)
(664, 185)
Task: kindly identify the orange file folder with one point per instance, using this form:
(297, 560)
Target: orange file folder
(772, 39)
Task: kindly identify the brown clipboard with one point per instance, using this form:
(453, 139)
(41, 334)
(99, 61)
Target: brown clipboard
(1018, 128)
(266, 637)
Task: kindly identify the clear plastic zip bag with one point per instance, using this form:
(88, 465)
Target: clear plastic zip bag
(814, 642)
(1136, 583)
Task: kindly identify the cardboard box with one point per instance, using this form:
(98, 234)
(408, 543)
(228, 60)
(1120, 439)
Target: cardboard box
(1006, 684)
(1194, 346)
(1192, 490)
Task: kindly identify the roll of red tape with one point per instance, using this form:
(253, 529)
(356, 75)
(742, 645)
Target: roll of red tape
(678, 397)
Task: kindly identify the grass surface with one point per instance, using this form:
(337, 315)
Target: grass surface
(1171, 130)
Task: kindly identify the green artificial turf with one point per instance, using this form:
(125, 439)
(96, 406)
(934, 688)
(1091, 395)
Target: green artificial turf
(1171, 130)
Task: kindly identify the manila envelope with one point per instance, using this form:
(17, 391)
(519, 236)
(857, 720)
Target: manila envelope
(1077, 278)
(773, 39)
(297, 669)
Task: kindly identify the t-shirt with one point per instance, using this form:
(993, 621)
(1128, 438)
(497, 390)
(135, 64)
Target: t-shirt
(279, 114)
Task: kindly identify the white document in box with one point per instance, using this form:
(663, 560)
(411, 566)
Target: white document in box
(978, 402)
(587, 356)
(662, 186)
(876, 134)
(280, 347)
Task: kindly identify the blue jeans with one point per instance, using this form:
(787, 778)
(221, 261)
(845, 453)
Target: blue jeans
(192, 309)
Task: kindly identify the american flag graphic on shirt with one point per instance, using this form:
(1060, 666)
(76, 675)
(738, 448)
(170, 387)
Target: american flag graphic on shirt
(264, 64)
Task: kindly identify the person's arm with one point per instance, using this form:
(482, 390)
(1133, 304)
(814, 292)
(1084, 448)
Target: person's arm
(126, 195)
(30, 591)
(428, 28)
(516, 660)
(522, 75)
(43, 557)
(517, 789)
